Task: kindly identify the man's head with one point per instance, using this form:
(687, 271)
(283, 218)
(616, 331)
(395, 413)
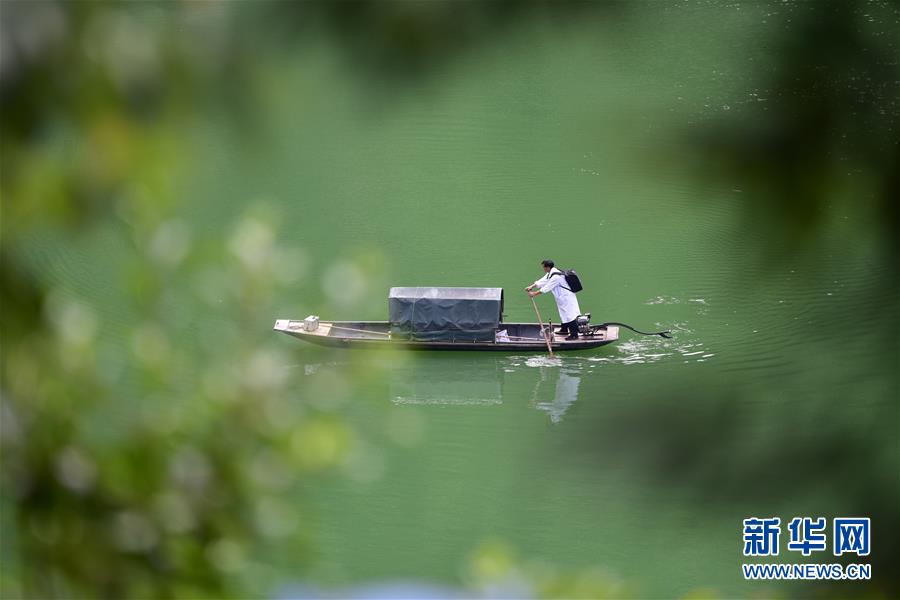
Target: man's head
(547, 264)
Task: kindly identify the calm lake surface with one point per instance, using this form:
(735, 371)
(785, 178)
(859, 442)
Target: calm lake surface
(570, 141)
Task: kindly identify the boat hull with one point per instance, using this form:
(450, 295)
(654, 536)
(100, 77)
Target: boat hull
(524, 337)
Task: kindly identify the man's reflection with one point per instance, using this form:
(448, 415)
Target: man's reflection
(565, 393)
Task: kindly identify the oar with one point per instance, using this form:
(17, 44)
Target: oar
(541, 323)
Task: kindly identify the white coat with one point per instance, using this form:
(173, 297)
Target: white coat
(566, 301)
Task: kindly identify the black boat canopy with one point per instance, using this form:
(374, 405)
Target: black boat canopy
(445, 313)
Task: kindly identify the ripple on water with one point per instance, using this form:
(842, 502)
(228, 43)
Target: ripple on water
(544, 361)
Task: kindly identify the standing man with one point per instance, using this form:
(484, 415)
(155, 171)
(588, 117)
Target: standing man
(554, 281)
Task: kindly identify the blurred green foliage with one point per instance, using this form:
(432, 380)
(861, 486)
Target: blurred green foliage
(176, 500)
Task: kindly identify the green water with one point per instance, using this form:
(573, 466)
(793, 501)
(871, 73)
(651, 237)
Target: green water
(568, 141)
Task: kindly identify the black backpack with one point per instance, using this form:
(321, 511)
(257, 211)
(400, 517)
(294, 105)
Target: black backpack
(571, 279)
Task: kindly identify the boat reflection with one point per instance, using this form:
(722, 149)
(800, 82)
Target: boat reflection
(548, 385)
(430, 380)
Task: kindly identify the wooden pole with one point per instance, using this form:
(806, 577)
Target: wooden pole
(541, 323)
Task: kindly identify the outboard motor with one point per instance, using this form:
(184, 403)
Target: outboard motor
(583, 322)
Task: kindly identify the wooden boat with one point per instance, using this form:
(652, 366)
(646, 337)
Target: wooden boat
(436, 318)
(442, 318)
(377, 334)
